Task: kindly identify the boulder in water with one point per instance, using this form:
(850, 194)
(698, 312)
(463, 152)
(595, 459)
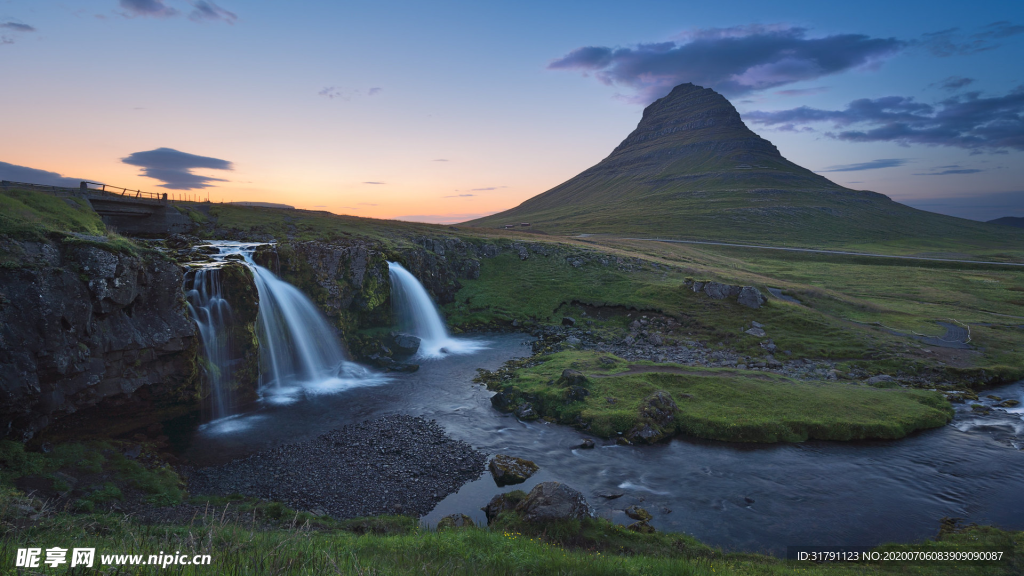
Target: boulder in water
(637, 513)
(503, 503)
(554, 501)
(404, 344)
(511, 470)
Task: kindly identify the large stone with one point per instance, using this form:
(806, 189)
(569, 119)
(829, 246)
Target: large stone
(572, 377)
(751, 297)
(554, 501)
(503, 503)
(405, 344)
(720, 291)
(511, 470)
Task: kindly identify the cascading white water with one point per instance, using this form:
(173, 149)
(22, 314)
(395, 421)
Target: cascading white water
(212, 315)
(416, 312)
(300, 353)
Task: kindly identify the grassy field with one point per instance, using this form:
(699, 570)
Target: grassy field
(27, 214)
(721, 404)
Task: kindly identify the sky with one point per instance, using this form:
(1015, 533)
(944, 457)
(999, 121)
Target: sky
(446, 111)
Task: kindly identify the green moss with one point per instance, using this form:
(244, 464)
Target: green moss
(31, 215)
(724, 404)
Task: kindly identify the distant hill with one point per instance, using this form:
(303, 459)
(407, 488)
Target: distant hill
(692, 169)
(1015, 221)
(263, 205)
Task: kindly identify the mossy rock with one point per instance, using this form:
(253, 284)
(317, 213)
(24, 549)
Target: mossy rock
(637, 513)
(455, 521)
(642, 527)
(511, 470)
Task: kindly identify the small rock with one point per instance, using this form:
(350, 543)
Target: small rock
(756, 332)
(133, 452)
(611, 495)
(755, 324)
(568, 321)
(751, 297)
(642, 528)
(1008, 403)
(454, 521)
(879, 379)
(748, 499)
(637, 513)
(525, 411)
(587, 444)
(572, 377)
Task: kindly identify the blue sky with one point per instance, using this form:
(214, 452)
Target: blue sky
(444, 111)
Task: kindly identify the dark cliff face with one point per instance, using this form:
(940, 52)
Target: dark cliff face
(81, 325)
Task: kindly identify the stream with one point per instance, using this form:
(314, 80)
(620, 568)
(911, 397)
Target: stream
(742, 497)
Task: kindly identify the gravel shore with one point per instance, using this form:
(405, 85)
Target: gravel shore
(392, 465)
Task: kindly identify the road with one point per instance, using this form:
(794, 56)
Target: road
(840, 252)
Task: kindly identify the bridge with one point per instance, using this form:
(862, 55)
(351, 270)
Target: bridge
(130, 212)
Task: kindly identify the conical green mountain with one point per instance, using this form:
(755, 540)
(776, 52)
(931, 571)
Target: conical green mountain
(692, 169)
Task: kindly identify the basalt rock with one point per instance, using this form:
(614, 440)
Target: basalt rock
(82, 325)
(657, 419)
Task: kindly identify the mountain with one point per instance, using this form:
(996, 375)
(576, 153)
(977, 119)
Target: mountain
(692, 169)
(1015, 221)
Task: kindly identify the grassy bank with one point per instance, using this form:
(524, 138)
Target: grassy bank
(717, 403)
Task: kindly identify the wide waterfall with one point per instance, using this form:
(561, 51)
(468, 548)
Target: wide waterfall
(417, 314)
(300, 353)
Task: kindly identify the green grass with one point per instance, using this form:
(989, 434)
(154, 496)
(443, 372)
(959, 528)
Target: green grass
(30, 215)
(110, 472)
(725, 404)
(593, 547)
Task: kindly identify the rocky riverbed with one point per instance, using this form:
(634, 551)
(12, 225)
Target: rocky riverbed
(391, 465)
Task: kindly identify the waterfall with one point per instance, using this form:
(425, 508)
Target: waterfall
(417, 314)
(300, 353)
(212, 315)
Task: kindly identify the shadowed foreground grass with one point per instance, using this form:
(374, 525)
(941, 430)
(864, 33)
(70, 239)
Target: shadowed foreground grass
(305, 548)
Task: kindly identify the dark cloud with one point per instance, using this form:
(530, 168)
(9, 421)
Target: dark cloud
(155, 8)
(954, 83)
(969, 121)
(374, 182)
(16, 173)
(733, 61)
(460, 196)
(17, 27)
(955, 42)
(205, 10)
(174, 168)
(872, 165)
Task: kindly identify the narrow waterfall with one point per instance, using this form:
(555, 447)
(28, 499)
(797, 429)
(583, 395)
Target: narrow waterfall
(300, 354)
(212, 315)
(419, 316)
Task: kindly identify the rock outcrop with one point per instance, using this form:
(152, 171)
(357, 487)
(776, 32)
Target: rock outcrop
(748, 296)
(85, 323)
(511, 470)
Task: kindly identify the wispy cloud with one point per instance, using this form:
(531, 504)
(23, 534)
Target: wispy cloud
(154, 8)
(440, 160)
(951, 169)
(16, 27)
(347, 94)
(487, 189)
(368, 204)
(206, 10)
(460, 196)
(374, 182)
(733, 61)
(970, 121)
(954, 83)
(872, 165)
(803, 91)
(174, 168)
(956, 42)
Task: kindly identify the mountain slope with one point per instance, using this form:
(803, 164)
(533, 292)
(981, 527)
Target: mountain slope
(692, 169)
